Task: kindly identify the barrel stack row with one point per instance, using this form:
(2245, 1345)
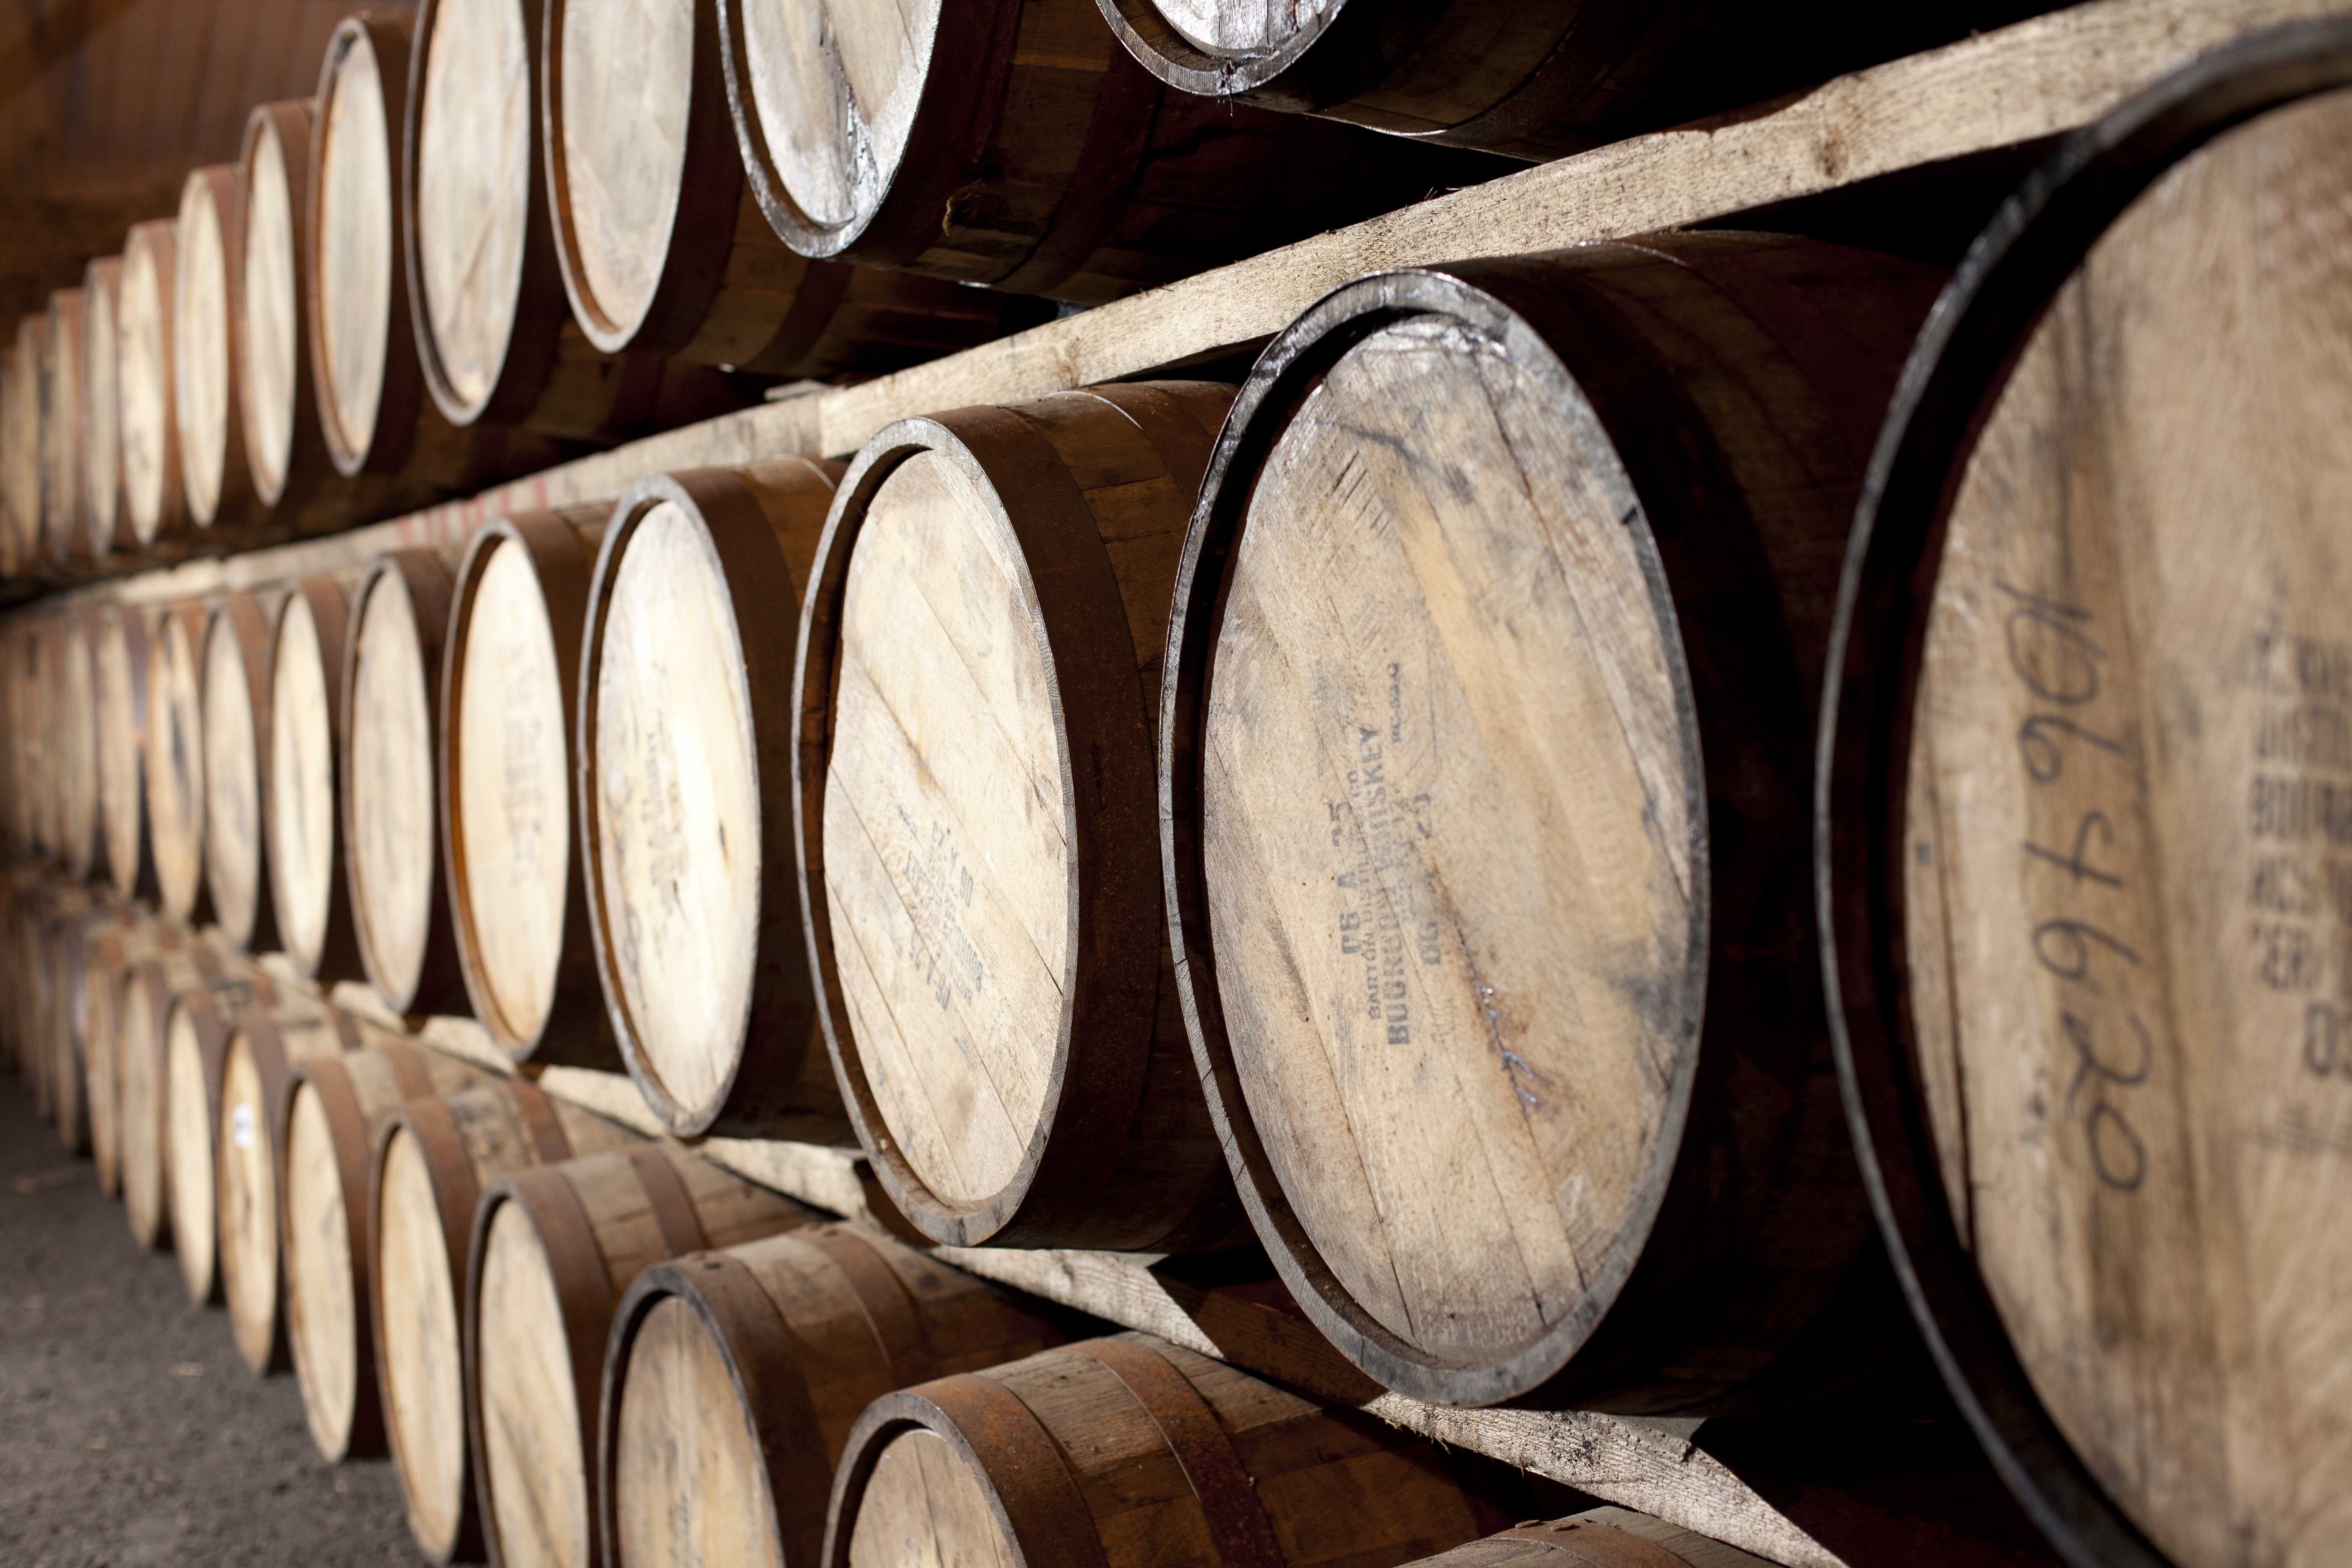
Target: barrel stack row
(1585, 780)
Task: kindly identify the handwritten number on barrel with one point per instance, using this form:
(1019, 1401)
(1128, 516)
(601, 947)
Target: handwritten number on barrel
(2049, 650)
(2043, 760)
(2064, 946)
(2076, 862)
(2110, 1134)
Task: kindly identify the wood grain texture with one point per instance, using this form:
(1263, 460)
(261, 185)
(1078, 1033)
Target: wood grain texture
(977, 685)
(65, 527)
(197, 1027)
(1597, 1537)
(517, 902)
(152, 997)
(175, 771)
(20, 436)
(2102, 727)
(237, 710)
(114, 954)
(733, 1378)
(124, 664)
(391, 828)
(1425, 909)
(207, 307)
(152, 489)
(432, 1160)
(327, 1123)
(1128, 1451)
(103, 495)
(684, 731)
(308, 892)
(553, 1251)
(73, 749)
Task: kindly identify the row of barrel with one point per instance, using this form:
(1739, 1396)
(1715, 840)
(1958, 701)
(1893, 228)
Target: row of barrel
(1585, 779)
(581, 1346)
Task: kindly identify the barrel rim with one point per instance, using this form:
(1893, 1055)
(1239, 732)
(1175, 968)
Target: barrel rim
(290, 481)
(68, 529)
(337, 955)
(1330, 60)
(133, 875)
(187, 620)
(236, 510)
(157, 240)
(102, 279)
(1963, 359)
(252, 621)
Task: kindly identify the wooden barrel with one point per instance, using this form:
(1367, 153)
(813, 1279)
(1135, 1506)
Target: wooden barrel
(115, 955)
(70, 954)
(235, 711)
(552, 1251)
(152, 489)
(372, 407)
(73, 730)
(65, 529)
(2082, 823)
(101, 418)
(124, 661)
(1016, 145)
(984, 913)
(732, 1379)
(256, 1071)
(151, 995)
(176, 787)
(663, 247)
(687, 665)
(301, 803)
(36, 673)
(20, 470)
(1127, 1451)
(333, 1109)
(197, 1031)
(1508, 854)
(509, 685)
(207, 400)
(433, 1161)
(1597, 1537)
(1527, 81)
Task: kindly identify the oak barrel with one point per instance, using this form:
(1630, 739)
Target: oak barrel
(1497, 840)
(978, 688)
(663, 247)
(73, 740)
(103, 494)
(150, 1007)
(20, 457)
(196, 1032)
(732, 1379)
(257, 1073)
(433, 1159)
(509, 684)
(2082, 822)
(392, 838)
(1014, 143)
(1125, 1451)
(152, 489)
(124, 661)
(174, 768)
(65, 529)
(235, 711)
(687, 666)
(115, 955)
(207, 396)
(71, 956)
(333, 1108)
(1597, 1537)
(302, 802)
(552, 1251)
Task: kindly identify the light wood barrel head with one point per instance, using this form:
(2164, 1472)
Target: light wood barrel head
(175, 783)
(2118, 777)
(207, 297)
(534, 1463)
(279, 416)
(102, 420)
(25, 484)
(307, 885)
(75, 731)
(472, 176)
(19, 418)
(825, 99)
(360, 344)
(508, 687)
(196, 1050)
(236, 711)
(1597, 1537)
(682, 732)
(152, 489)
(417, 1344)
(124, 661)
(246, 1181)
(65, 526)
(921, 1480)
(391, 834)
(696, 1488)
(139, 1063)
(325, 1204)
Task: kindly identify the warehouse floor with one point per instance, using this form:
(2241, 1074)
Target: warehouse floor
(129, 1431)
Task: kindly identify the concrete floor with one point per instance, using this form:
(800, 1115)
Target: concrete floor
(129, 1431)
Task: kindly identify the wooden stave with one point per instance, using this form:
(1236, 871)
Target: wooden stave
(159, 983)
(1613, 1369)
(763, 1352)
(2011, 276)
(27, 484)
(237, 516)
(354, 1108)
(1120, 1065)
(547, 1133)
(119, 952)
(160, 523)
(109, 521)
(212, 1007)
(189, 902)
(72, 953)
(129, 850)
(338, 957)
(563, 549)
(251, 623)
(717, 301)
(955, 144)
(1011, 1450)
(65, 531)
(438, 986)
(588, 1295)
(1597, 1537)
(763, 574)
(74, 729)
(18, 550)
